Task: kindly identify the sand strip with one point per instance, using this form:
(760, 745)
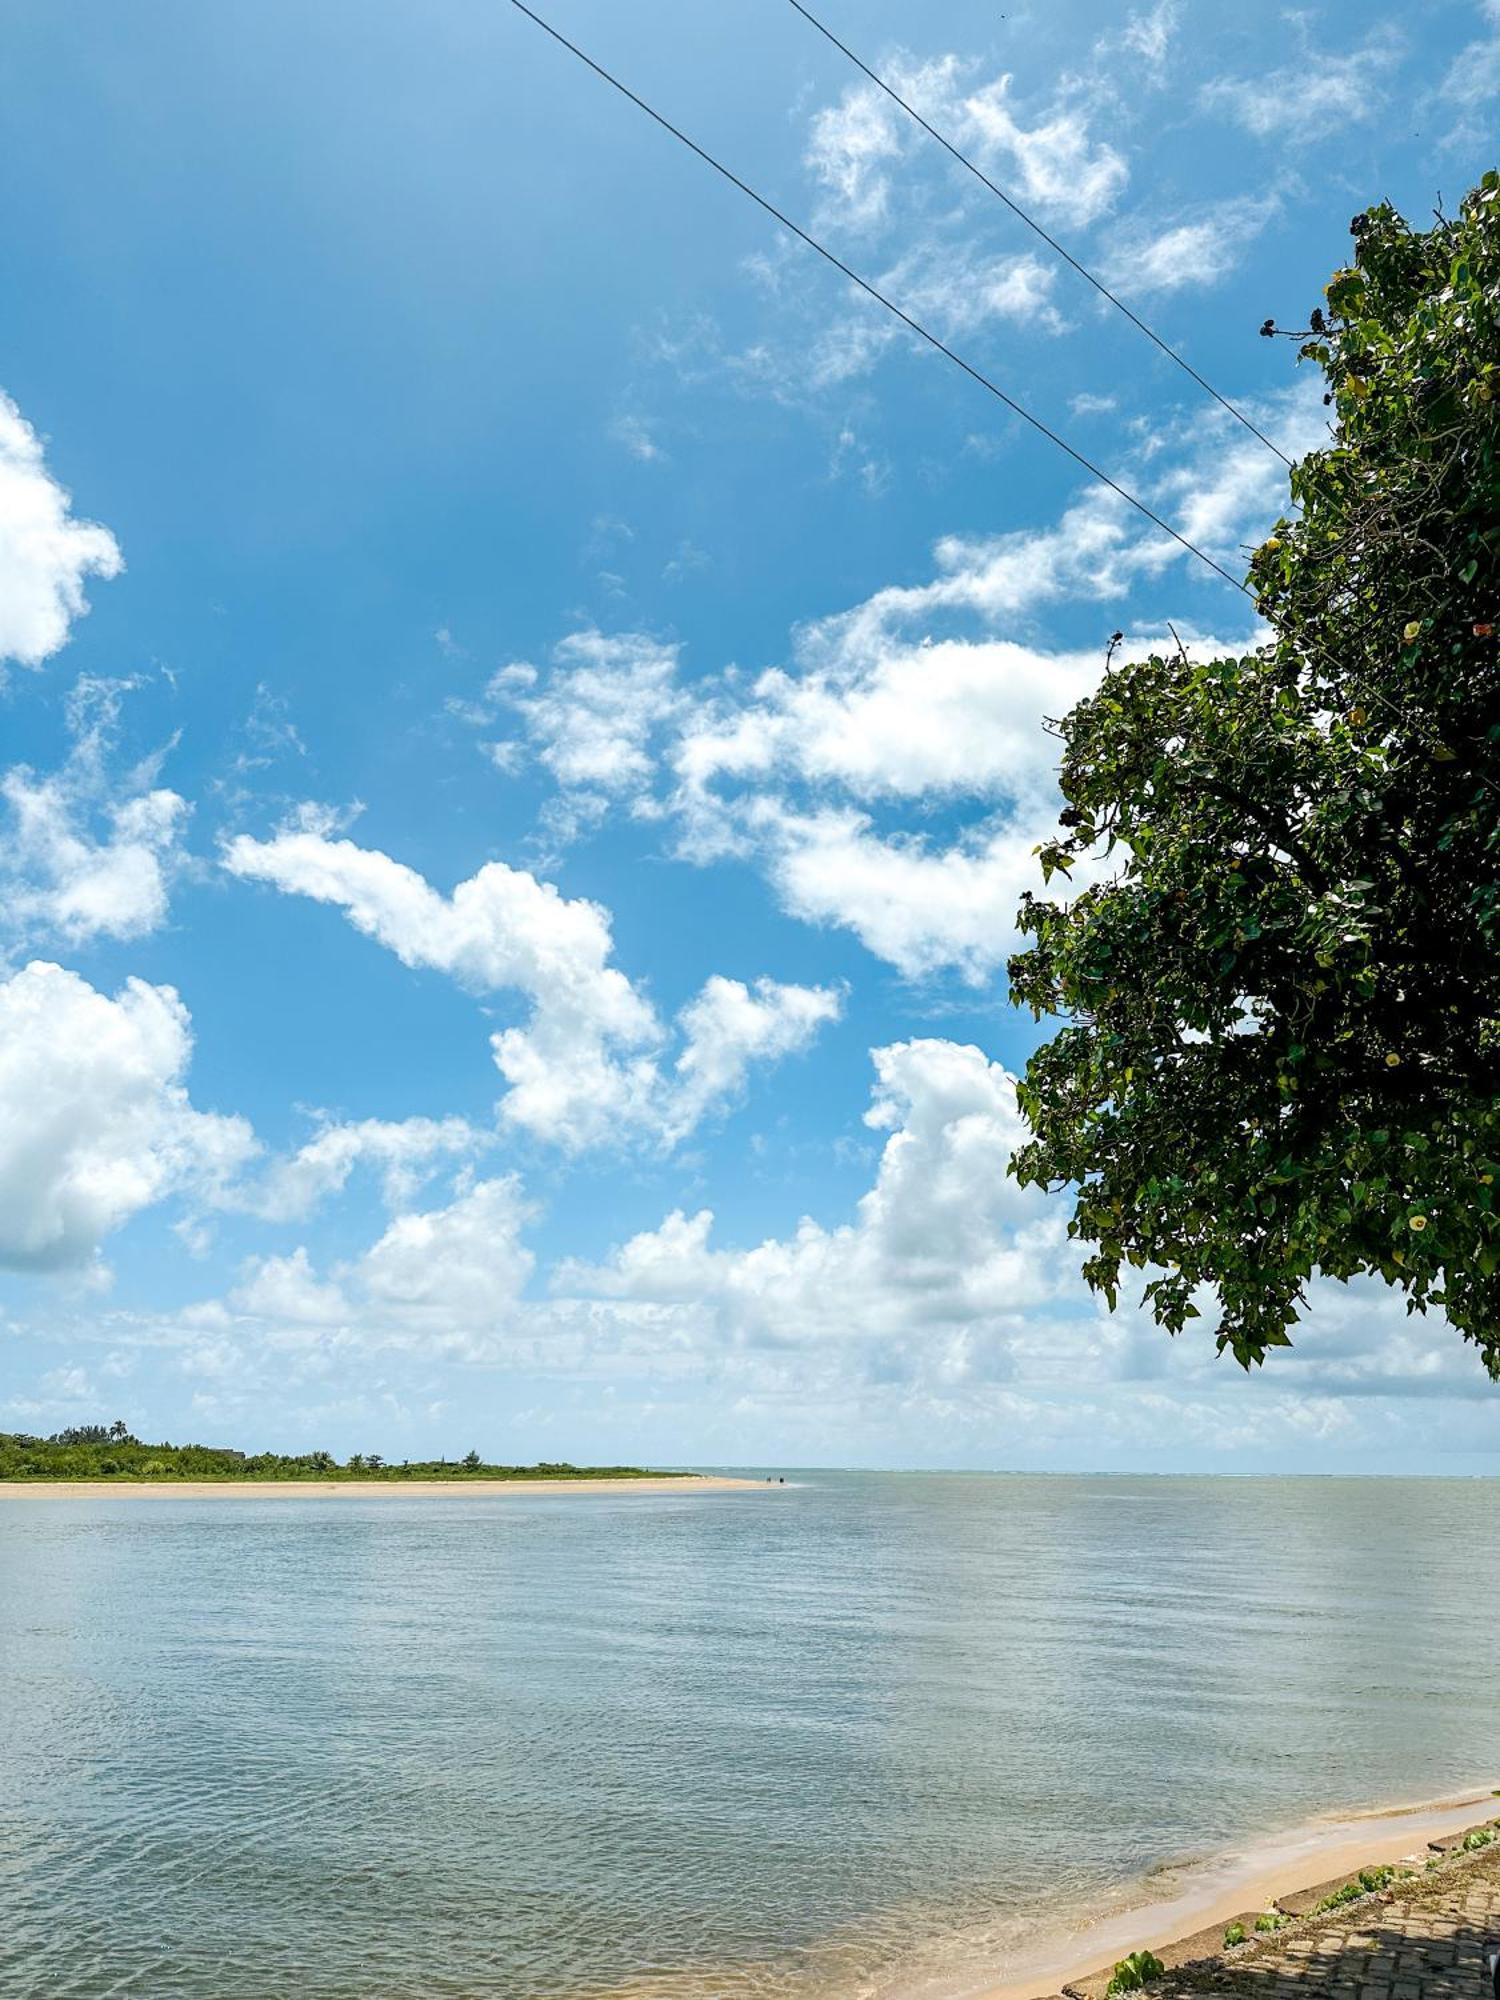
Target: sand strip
(356, 1489)
(1214, 1894)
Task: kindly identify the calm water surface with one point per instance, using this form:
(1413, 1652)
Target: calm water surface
(819, 1741)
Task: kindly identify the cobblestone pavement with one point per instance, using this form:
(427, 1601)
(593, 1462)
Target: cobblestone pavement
(1420, 1940)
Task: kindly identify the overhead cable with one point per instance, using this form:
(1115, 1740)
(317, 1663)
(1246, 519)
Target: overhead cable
(914, 325)
(1031, 223)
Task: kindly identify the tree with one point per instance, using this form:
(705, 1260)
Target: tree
(1279, 977)
(472, 1460)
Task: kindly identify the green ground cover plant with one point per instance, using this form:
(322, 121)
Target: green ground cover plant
(1135, 1971)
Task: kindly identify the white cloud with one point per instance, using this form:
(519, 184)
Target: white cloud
(894, 720)
(1198, 249)
(960, 1290)
(435, 1276)
(952, 289)
(95, 1121)
(886, 713)
(634, 433)
(585, 1068)
(286, 1290)
(1311, 99)
(1474, 77)
(78, 887)
(727, 1028)
(572, 1072)
(956, 294)
(1150, 35)
(1064, 171)
(921, 907)
(500, 928)
(850, 146)
(45, 553)
(903, 705)
(944, 1247)
(86, 854)
(461, 1262)
(1049, 155)
(404, 1152)
(594, 719)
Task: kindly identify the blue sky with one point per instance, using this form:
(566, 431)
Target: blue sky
(523, 709)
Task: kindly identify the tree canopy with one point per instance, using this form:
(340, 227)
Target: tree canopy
(97, 1451)
(1277, 970)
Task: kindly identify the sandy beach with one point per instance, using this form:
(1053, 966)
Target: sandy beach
(1205, 1898)
(356, 1489)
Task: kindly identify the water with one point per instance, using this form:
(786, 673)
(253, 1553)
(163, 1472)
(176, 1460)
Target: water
(828, 1740)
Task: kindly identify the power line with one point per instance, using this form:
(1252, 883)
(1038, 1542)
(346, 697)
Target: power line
(975, 374)
(1032, 224)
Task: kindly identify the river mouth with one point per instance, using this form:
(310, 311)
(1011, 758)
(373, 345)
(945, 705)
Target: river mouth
(884, 1737)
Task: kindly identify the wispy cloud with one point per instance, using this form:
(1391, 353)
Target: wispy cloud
(1312, 98)
(1197, 248)
(1149, 35)
(1474, 77)
(634, 433)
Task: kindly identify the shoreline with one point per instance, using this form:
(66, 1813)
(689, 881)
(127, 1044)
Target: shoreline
(1187, 1924)
(362, 1489)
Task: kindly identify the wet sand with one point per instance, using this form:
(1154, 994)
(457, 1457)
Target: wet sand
(1208, 1896)
(356, 1489)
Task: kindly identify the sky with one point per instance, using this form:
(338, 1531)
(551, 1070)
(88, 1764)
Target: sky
(524, 708)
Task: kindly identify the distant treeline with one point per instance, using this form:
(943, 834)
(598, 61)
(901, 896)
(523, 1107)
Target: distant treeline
(110, 1451)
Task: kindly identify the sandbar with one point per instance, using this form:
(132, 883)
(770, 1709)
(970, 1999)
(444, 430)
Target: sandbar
(358, 1489)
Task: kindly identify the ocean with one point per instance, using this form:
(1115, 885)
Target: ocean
(867, 1734)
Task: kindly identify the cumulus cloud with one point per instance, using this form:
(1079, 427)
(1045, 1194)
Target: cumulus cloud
(945, 1314)
(433, 1275)
(943, 1246)
(729, 1027)
(961, 1288)
(896, 777)
(592, 722)
(923, 907)
(896, 719)
(842, 773)
(85, 853)
(95, 1120)
(45, 552)
(585, 1068)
